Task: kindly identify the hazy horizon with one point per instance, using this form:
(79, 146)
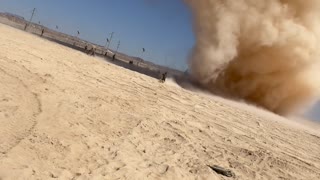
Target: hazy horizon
(163, 28)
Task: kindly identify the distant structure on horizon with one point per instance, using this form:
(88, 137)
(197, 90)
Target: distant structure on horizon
(53, 34)
(12, 17)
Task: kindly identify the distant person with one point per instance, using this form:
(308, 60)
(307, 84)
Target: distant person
(163, 78)
(114, 57)
(86, 50)
(42, 32)
(92, 52)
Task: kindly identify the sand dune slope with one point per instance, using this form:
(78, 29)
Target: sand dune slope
(66, 115)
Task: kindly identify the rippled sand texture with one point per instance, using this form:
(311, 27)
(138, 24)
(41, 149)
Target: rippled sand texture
(67, 115)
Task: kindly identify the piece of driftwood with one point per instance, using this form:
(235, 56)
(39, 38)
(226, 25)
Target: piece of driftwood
(222, 171)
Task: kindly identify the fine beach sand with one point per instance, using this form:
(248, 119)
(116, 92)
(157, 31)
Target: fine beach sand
(66, 115)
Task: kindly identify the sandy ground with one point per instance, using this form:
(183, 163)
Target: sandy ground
(67, 115)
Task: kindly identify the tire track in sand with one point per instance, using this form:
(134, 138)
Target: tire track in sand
(19, 108)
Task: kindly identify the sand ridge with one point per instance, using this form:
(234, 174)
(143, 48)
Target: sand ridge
(67, 115)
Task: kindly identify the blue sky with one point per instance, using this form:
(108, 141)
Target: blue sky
(162, 27)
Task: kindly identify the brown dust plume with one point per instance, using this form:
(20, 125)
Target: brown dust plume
(263, 51)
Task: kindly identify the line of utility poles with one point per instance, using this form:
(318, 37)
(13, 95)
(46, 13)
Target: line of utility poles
(109, 42)
(141, 56)
(117, 47)
(33, 11)
(107, 45)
